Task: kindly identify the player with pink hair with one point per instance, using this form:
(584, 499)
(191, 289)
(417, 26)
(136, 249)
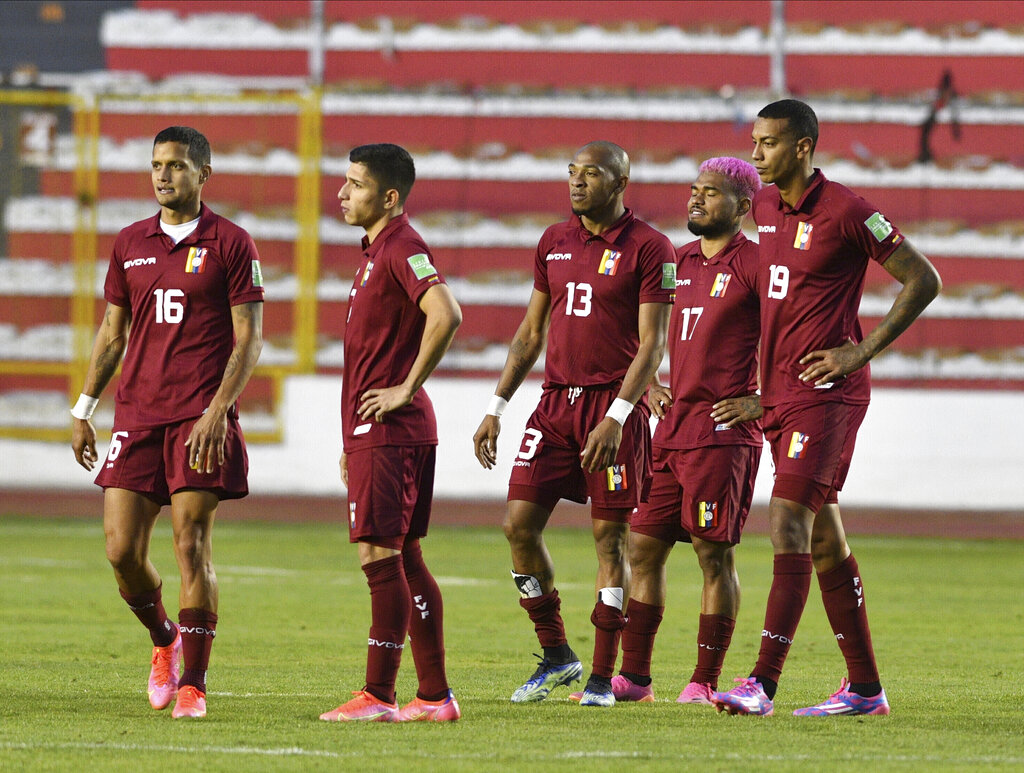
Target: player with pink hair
(708, 443)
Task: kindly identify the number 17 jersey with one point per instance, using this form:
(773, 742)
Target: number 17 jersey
(596, 285)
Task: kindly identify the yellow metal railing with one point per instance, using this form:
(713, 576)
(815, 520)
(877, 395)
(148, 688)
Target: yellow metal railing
(87, 112)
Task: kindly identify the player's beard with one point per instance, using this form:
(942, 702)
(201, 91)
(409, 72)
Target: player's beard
(712, 230)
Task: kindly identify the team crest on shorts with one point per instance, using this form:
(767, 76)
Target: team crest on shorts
(617, 478)
(797, 445)
(707, 514)
(352, 514)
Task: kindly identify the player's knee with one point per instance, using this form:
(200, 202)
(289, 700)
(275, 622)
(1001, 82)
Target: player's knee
(715, 558)
(521, 532)
(828, 551)
(125, 556)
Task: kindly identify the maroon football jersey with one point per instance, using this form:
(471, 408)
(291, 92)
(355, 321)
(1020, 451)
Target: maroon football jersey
(180, 297)
(813, 258)
(596, 285)
(383, 334)
(712, 344)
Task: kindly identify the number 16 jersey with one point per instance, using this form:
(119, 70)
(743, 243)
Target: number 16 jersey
(180, 297)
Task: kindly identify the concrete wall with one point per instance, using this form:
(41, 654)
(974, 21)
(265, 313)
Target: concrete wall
(917, 449)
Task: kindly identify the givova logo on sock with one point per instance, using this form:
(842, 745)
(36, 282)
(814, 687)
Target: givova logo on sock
(797, 445)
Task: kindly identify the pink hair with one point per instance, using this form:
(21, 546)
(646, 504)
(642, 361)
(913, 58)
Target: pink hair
(740, 175)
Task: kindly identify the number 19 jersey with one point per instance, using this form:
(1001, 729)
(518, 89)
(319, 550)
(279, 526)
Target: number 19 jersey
(596, 285)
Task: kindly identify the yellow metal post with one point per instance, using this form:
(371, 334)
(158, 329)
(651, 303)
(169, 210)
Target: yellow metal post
(84, 242)
(307, 216)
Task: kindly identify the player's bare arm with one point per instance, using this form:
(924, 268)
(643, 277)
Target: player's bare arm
(206, 440)
(736, 410)
(443, 318)
(921, 283)
(526, 346)
(603, 441)
(107, 350)
(343, 468)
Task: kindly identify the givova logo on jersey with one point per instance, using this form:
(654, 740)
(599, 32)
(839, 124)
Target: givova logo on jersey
(617, 477)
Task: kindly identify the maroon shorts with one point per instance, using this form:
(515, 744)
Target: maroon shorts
(704, 492)
(547, 466)
(154, 462)
(390, 489)
(812, 448)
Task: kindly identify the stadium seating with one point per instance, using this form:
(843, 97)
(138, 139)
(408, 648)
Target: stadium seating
(492, 99)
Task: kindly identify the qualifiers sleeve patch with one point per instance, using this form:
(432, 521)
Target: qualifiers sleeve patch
(257, 274)
(421, 266)
(879, 226)
(668, 276)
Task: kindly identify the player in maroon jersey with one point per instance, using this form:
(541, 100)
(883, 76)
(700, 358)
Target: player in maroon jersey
(816, 238)
(708, 443)
(603, 285)
(401, 320)
(184, 297)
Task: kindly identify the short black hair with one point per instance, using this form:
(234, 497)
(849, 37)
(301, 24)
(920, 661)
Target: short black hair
(802, 120)
(391, 166)
(197, 144)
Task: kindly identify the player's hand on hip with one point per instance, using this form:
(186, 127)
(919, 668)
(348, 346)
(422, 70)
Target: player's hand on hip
(602, 445)
(660, 399)
(827, 365)
(205, 442)
(380, 402)
(736, 410)
(83, 443)
(485, 441)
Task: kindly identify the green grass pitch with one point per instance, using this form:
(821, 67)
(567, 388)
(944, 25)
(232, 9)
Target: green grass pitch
(947, 619)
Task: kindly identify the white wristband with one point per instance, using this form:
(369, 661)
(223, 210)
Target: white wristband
(620, 410)
(85, 407)
(496, 406)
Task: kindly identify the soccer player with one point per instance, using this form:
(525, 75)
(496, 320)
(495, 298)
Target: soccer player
(401, 319)
(708, 443)
(816, 238)
(603, 285)
(184, 299)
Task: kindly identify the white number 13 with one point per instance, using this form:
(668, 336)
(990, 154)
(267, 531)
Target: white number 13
(586, 292)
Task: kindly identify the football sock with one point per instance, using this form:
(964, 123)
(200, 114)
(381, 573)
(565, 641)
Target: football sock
(714, 633)
(544, 611)
(865, 689)
(638, 639)
(390, 605)
(198, 629)
(599, 683)
(843, 596)
(770, 686)
(786, 601)
(643, 681)
(560, 655)
(608, 624)
(426, 625)
(148, 606)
